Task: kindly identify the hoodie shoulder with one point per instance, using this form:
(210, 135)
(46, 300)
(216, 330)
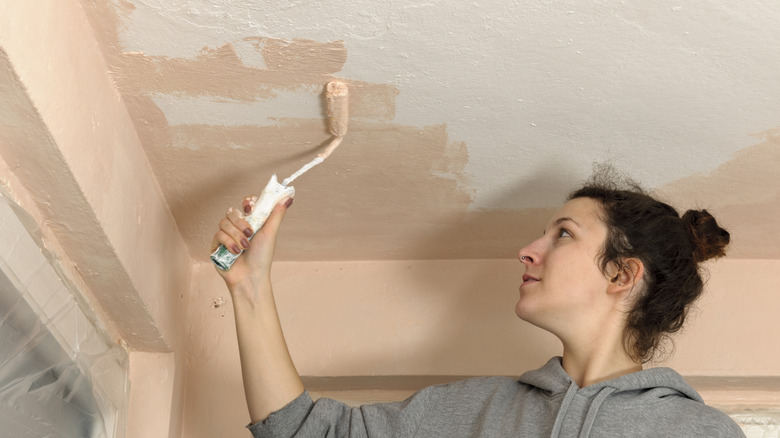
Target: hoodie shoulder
(661, 402)
(670, 416)
(655, 402)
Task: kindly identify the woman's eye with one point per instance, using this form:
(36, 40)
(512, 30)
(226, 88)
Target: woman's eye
(564, 233)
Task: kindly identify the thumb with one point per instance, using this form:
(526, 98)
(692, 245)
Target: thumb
(274, 220)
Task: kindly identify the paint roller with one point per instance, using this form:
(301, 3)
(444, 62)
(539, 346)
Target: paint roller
(337, 99)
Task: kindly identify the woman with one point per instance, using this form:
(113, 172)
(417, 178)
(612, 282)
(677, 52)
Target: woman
(613, 274)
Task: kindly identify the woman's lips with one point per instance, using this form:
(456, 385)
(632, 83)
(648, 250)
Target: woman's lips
(529, 279)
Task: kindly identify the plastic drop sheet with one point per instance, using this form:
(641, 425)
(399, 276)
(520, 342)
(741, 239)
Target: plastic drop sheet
(59, 377)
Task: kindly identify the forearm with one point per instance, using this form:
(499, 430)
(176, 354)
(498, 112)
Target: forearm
(270, 378)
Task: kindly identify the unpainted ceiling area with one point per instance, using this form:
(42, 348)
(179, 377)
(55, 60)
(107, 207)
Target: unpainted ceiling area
(469, 121)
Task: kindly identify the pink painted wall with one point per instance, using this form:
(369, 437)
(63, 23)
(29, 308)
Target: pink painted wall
(77, 166)
(443, 318)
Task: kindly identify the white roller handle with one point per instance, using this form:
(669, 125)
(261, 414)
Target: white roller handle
(272, 194)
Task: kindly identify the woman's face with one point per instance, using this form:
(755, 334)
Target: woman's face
(563, 282)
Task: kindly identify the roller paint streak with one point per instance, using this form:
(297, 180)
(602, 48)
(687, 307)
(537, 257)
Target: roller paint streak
(337, 99)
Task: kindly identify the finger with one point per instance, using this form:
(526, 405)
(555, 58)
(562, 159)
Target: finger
(239, 222)
(224, 239)
(234, 239)
(249, 203)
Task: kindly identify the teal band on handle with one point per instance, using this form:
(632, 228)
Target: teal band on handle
(272, 194)
(223, 258)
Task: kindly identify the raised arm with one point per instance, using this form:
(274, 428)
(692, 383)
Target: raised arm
(270, 378)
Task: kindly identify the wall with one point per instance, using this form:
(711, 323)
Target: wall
(72, 160)
(449, 318)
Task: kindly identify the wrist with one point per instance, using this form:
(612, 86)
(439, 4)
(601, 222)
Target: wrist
(249, 291)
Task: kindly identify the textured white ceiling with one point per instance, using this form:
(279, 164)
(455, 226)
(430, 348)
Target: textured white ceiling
(536, 91)
(665, 89)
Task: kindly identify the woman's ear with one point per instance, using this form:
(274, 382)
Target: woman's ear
(628, 274)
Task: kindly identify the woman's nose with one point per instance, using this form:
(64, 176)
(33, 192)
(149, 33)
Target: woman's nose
(530, 253)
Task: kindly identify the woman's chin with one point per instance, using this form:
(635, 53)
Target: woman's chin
(522, 310)
(529, 311)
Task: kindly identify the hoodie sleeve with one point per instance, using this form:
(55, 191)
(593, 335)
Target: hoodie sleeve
(329, 418)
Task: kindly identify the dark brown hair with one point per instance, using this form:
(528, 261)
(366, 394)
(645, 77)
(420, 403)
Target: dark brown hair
(670, 247)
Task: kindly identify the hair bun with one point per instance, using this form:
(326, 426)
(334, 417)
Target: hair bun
(708, 238)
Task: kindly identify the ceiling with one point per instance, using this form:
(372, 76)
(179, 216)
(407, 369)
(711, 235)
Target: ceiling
(469, 121)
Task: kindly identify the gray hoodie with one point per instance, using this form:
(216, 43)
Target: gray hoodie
(541, 403)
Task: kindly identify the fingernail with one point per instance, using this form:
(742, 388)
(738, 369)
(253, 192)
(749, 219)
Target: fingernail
(248, 232)
(245, 243)
(247, 209)
(288, 203)
(235, 249)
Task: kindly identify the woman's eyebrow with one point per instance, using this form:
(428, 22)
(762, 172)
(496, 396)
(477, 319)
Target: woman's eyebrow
(565, 219)
(561, 220)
